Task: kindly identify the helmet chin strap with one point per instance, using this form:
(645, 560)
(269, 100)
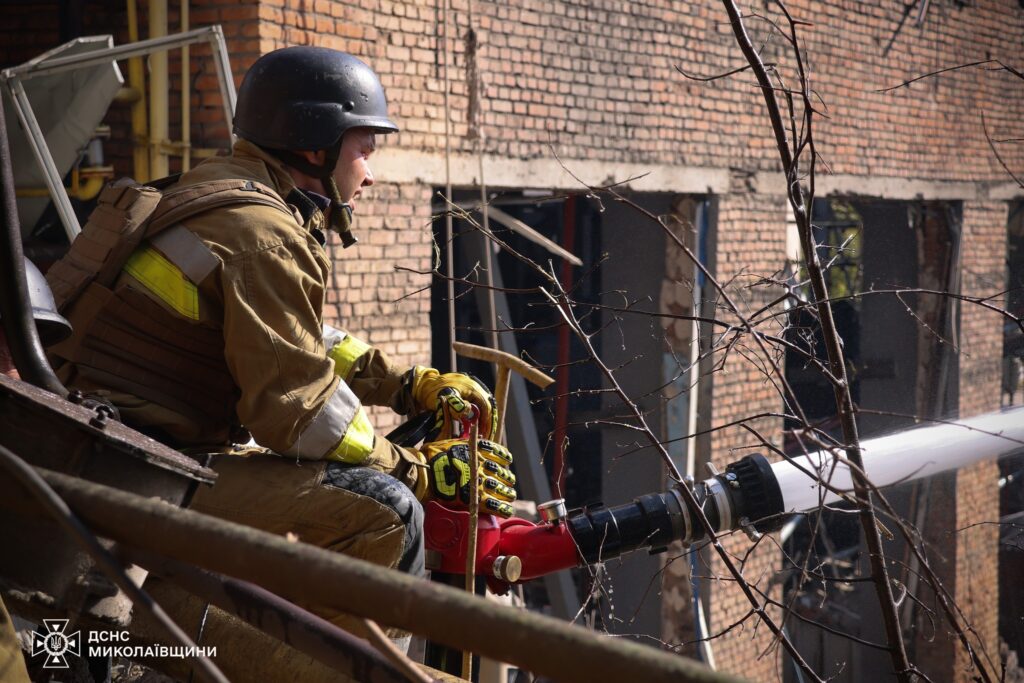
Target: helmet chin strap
(339, 216)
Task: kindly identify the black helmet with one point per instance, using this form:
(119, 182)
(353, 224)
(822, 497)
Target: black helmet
(52, 326)
(300, 99)
(305, 98)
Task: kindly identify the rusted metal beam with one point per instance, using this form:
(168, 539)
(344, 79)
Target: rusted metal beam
(308, 575)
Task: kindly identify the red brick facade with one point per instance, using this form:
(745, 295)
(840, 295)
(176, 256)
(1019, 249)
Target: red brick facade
(742, 389)
(976, 591)
(596, 83)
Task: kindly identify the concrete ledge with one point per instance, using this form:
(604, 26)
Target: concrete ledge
(395, 165)
(409, 166)
(1006, 191)
(895, 188)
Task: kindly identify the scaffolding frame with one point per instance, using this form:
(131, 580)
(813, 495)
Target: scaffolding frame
(13, 80)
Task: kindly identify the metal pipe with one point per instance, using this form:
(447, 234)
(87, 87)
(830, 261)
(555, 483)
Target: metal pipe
(208, 34)
(471, 537)
(261, 609)
(14, 76)
(15, 306)
(159, 165)
(564, 340)
(186, 100)
(444, 615)
(137, 81)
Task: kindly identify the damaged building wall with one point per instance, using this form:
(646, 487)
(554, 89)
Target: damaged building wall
(596, 83)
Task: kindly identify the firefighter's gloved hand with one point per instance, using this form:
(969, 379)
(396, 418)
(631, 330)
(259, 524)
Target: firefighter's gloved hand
(448, 474)
(450, 397)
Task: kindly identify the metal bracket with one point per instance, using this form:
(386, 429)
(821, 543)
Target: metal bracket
(14, 78)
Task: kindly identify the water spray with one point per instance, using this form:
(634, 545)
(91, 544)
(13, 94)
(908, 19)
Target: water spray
(901, 457)
(751, 495)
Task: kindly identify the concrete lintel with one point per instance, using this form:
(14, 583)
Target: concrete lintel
(1005, 191)
(893, 188)
(410, 166)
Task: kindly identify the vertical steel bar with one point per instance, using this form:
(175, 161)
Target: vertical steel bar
(562, 372)
(186, 100)
(140, 122)
(37, 141)
(225, 78)
(474, 518)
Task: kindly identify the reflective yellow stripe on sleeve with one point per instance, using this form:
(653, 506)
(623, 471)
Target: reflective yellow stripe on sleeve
(345, 354)
(164, 280)
(357, 443)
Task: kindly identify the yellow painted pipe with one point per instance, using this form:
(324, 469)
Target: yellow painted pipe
(186, 120)
(88, 188)
(137, 82)
(127, 95)
(159, 165)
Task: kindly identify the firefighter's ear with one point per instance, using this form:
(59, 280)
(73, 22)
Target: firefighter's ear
(316, 158)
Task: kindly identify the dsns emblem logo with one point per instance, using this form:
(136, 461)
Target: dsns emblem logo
(55, 643)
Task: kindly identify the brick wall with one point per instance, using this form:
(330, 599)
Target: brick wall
(380, 292)
(977, 504)
(741, 389)
(596, 82)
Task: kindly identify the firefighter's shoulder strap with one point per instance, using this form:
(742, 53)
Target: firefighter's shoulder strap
(128, 212)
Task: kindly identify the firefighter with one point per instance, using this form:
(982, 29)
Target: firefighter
(214, 331)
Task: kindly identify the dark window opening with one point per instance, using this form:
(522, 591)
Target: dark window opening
(900, 364)
(574, 224)
(624, 260)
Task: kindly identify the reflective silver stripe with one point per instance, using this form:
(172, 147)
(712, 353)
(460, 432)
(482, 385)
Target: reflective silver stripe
(332, 336)
(325, 431)
(183, 248)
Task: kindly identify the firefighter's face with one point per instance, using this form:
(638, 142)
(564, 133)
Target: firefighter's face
(353, 173)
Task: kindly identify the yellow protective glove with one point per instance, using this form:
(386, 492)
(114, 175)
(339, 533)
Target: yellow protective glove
(451, 397)
(449, 471)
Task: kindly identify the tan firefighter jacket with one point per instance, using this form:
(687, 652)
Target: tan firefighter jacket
(217, 323)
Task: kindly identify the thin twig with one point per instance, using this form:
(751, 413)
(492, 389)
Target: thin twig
(800, 205)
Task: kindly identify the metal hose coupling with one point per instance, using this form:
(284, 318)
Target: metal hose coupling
(746, 496)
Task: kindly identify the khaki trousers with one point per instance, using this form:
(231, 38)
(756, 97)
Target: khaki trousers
(358, 511)
(12, 662)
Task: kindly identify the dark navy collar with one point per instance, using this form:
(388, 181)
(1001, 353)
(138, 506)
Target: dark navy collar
(323, 203)
(308, 203)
